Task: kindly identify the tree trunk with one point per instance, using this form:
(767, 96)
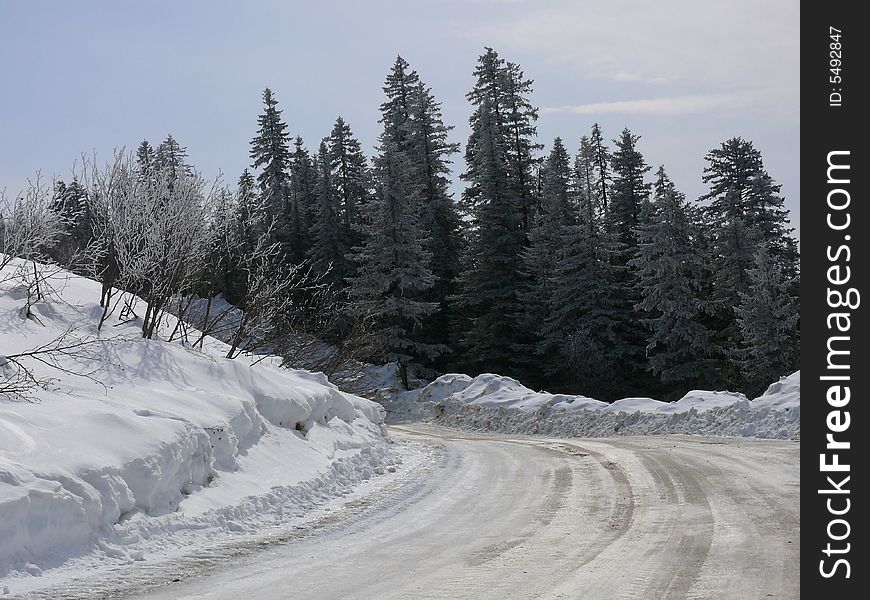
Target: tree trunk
(403, 374)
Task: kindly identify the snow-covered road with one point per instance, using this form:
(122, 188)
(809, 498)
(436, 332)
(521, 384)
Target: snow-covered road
(513, 517)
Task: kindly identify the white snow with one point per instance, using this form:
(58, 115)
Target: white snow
(784, 394)
(496, 403)
(173, 446)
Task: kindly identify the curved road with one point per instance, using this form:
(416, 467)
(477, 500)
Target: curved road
(510, 517)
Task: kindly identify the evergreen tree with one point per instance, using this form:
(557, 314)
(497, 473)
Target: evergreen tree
(629, 194)
(767, 216)
(270, 152)
(303, 199)
(170, 157)
(670, 274)
(556, 215)
(393, 272)
(493, 279)
(582, 323)
(586, 188)
(520, 116)
(730, 172)
(145, 159)
(429, 153)
(328, 251)
(70, 203)
(401, 88)
(249, 224)
(745, 211)
(349, 177)
(600, 161)
(412, 119)
(768, 320)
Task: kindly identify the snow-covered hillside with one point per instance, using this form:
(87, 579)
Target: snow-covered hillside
(495, 403)
(160, 439)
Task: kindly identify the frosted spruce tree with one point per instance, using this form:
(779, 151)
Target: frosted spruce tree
(743, 210)
(520, 149)
(582, 323)
(546, 238)
(492, 332)
(600, 160)
(768, 320)
(145, 160)
(70, 203)
(171, 157)
(393, 272)
(248, 225)
(270, 152)
(413, 116)
(328, 251)
(349, 178)
(629, 194)
(429, 152)
(586, 190)
(303, 199)
(669, 275)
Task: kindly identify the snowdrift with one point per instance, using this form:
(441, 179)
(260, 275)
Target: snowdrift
(163, 444)
(495, 403)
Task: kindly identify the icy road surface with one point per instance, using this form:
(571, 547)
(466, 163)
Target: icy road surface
(511, 517)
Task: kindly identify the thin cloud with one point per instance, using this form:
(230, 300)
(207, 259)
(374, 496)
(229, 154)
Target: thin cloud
(694, 46)
(676, 105)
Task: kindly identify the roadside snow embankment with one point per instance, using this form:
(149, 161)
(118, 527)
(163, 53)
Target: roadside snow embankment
(162, 444)
(500, 404)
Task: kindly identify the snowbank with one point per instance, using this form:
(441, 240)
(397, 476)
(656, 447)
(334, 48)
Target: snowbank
(495, 403)
(160, 439)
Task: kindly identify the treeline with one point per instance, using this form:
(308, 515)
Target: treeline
(589, 273)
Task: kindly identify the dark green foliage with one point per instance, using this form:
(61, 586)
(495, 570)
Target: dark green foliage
(349, 178)
(768, 320)
(745, 213)
(70, 202)
(270, 152)
(670, 274)
(328, 252)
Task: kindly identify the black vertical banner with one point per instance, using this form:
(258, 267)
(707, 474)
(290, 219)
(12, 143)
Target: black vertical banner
(834, 333)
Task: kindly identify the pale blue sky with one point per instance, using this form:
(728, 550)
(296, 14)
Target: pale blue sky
(82, 76)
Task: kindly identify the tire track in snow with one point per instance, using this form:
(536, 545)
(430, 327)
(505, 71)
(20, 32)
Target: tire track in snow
(508, 517)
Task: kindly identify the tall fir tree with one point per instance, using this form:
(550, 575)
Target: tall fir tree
(730, 171)
(767, 215)
(412, 118)
(401, 86)
(586, 190)
(349, 178)
(70, 203)
(582, 323)
(270, 152)
(303, 199)
(520, 116)
(493, 279)
(328, 252)
(768, 320)
(430, 151)
(744, 211)
(171, 157)
(145, 159)
(556, 215)
(629, 193)
(600, 160)
(393, 264)
(670, 273)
